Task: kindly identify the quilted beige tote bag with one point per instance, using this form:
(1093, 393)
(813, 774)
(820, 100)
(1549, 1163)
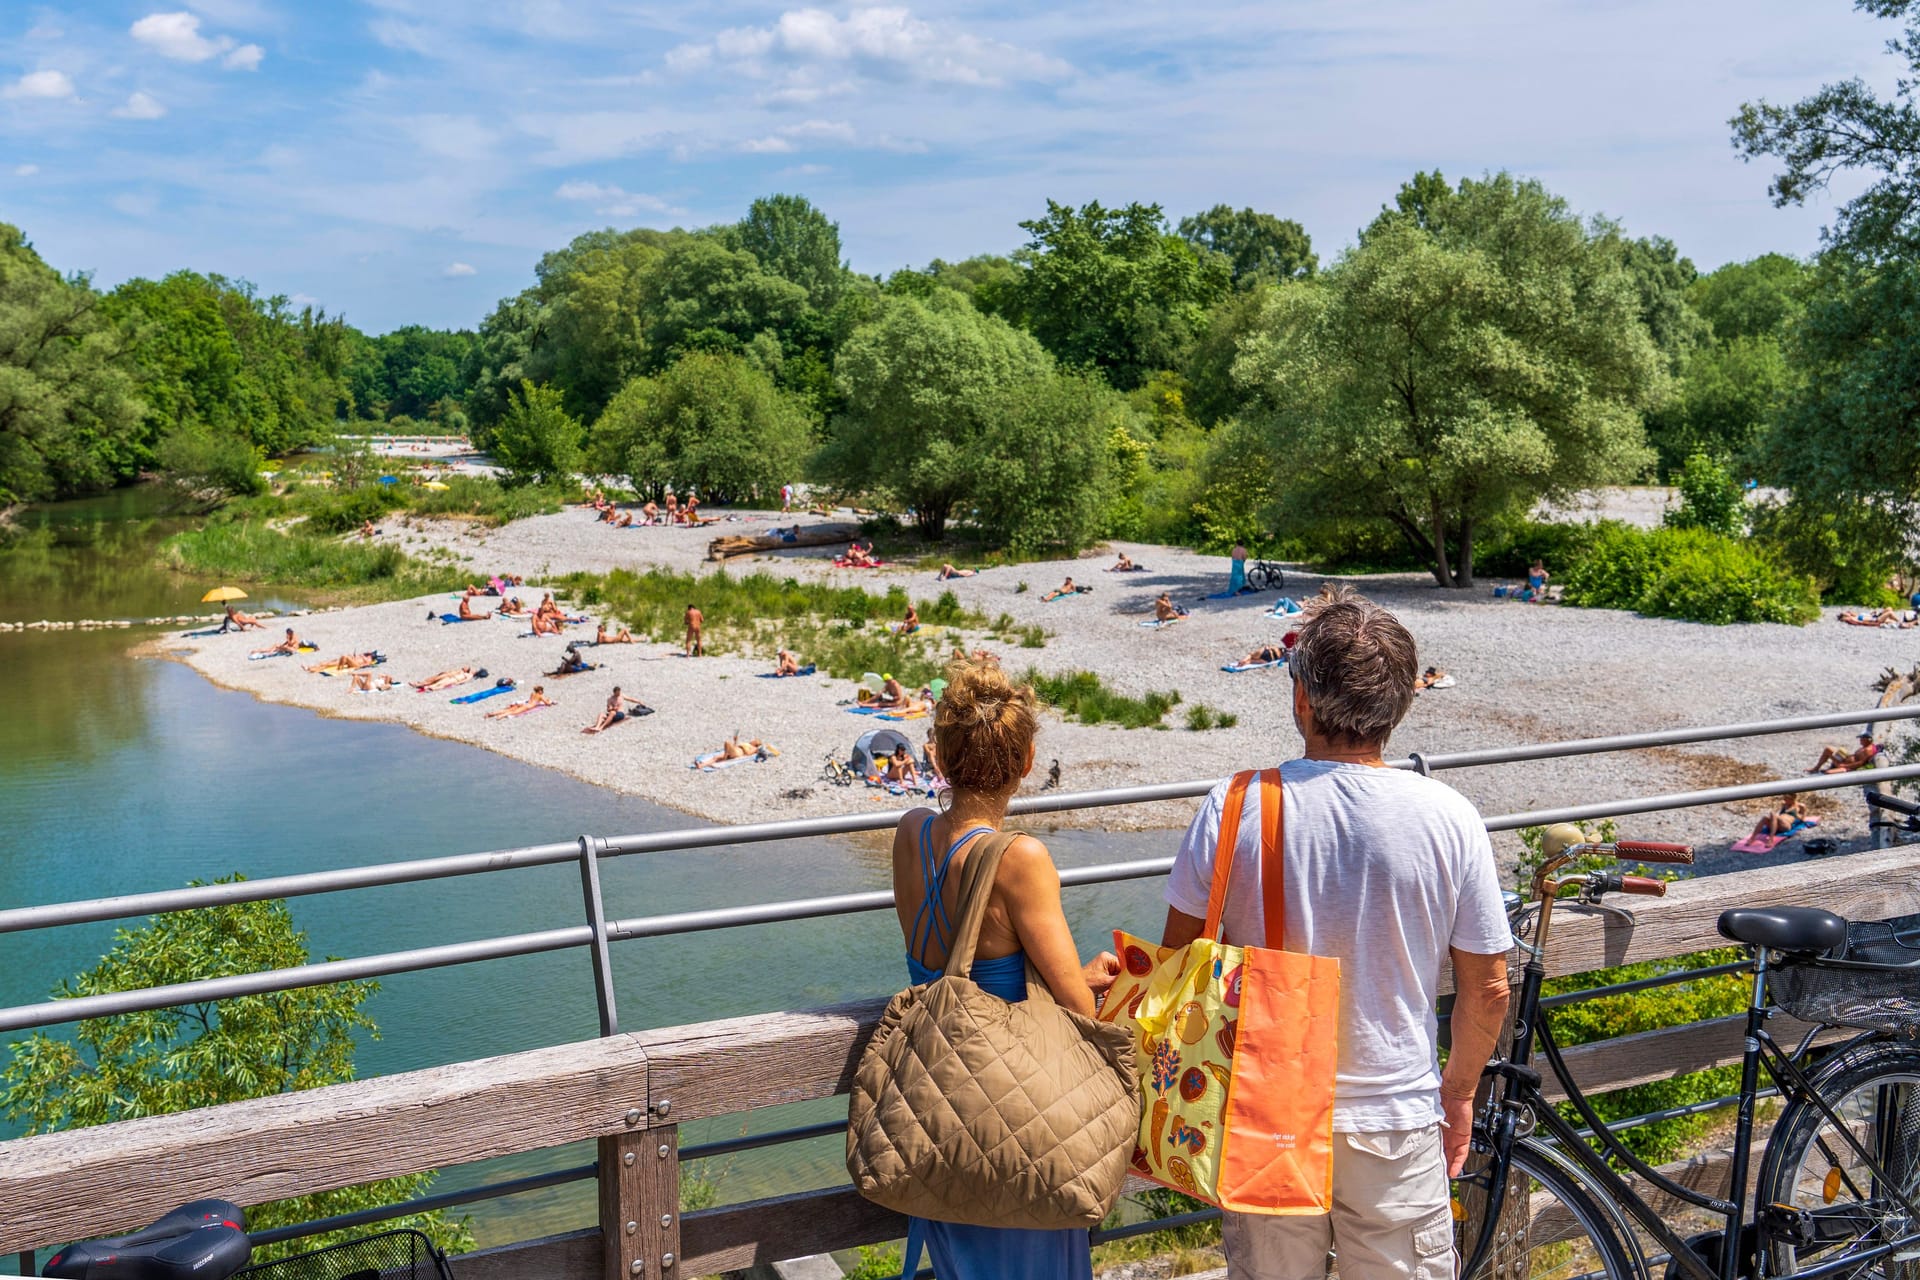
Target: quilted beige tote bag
(969, 1108)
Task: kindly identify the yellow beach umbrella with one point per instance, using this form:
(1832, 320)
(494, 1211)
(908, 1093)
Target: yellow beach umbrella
(220, 595)
(433, 484)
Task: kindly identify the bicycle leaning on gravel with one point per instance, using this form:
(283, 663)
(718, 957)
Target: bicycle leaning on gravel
(1838, 1189)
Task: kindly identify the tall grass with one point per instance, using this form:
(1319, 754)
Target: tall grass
(737, 608)
(481, 499)
(251, 551)
(1083, 696)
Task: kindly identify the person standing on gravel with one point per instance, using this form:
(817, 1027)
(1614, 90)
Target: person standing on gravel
(1390, 873)
(694, 647)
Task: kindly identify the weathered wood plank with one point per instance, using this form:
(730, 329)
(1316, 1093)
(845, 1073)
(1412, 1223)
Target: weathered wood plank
(739, 1236)
(623, 1181)
(572, 1256)
(1863, 886)
(1668, 1052)
(67, 1186)
(719, 1068)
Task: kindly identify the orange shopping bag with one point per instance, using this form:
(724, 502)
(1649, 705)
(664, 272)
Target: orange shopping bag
(1236, 1046)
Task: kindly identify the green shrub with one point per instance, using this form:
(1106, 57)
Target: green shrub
(1506, 545)
(199, 458)
(1710, 499)
(341, 511)
(250, 551)
(1200, 716)
(1691, 574)
(1850, 550)
(1082, 696)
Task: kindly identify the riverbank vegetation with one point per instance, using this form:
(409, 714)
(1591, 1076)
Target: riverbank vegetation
(1118, 374)
(197, 1055)
(235, 548)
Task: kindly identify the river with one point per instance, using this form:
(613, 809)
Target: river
(121, 775)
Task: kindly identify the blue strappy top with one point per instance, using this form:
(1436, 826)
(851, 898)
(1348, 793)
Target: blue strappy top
(1003, 976)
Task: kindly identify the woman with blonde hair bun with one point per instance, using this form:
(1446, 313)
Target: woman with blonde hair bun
(983, 731)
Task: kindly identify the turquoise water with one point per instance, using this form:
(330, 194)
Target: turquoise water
(121, 775)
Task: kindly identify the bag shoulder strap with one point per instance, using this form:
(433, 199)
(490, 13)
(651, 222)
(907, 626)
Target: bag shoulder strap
(976, 888)
(1273, 858)
(1273, 888)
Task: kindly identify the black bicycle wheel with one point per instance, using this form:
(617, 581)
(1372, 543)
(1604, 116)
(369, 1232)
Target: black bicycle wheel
(1273, 578)
(1564, 1231)
(1843, 1207)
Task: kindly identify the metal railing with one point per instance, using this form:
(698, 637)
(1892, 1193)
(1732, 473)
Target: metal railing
(598, 932)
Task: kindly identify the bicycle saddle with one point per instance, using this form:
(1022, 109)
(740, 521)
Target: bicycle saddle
(203, 1240)
(1802, 929)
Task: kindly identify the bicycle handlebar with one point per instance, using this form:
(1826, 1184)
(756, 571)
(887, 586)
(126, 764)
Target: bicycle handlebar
(1655, 851)
(1646, 885)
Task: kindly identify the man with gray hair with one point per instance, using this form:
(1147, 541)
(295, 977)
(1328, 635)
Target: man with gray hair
(1390, 873)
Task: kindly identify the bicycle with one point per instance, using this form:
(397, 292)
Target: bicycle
(1265, 575)
(1891, 831)
(1838, 1190)
(837, 771)
(207, 1240)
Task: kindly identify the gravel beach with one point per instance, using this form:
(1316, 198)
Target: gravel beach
(1524, 673)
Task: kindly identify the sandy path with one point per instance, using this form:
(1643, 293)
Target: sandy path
(1525, 673)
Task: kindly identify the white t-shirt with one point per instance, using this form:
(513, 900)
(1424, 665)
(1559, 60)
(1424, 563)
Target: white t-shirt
(1385, 870)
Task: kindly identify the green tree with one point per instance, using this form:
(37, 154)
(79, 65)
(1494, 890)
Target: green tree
(1258, 246)
(1757, 299)
(1044, 453)
(1664, 279)
(1465, 360)
(1114, 289)
(1846, 128)
(920, 385)
(499, 360)
(410, 371)
(537, 440)
(1710, 499)
(70, 417)
(1214, 394)
(795, 241)
(711, 420)
(208, 1053)
(989, 281)
(703, 296)
(1727, 394)
(592, 336)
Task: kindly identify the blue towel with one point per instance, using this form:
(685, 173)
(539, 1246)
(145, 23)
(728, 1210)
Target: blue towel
(484, 694)
(454, 617)
(1238, 667)
(803, 671)
(864, 711)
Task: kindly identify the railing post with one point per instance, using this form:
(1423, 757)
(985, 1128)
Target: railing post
(597, 921)
(640, 1204)
(27, 1262)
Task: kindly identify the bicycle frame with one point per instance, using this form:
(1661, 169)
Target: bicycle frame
(1516, 1097)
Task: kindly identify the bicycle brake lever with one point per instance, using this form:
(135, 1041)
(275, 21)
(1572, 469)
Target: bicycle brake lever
(1604, 908)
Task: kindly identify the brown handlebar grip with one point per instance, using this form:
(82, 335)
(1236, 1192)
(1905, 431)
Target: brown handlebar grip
(1654, 851)
(1644, 885)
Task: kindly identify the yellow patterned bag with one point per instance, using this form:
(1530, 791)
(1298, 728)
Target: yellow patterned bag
(1237, 1047)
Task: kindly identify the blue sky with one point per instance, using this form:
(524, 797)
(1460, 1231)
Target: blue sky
(409, 160)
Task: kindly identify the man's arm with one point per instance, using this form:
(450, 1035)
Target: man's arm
(1479, 1016)
(1181, 928)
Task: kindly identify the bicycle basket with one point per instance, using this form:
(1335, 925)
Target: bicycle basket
(1875, 985)
(391, 1255)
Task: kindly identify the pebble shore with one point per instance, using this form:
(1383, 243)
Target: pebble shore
(1525, 673)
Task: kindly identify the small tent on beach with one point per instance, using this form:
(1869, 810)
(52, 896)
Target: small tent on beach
(869, 754)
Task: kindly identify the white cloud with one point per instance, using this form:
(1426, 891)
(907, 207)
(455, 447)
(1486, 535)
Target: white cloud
(246, 58)
(766, 146)
(177, 36)
(25, 170)
(612, 201)
(140, 106)
(304, 300)
(136, 206)
(460, 269)
(40, 84)
(828, 132)
(454, 137)
(886, 39)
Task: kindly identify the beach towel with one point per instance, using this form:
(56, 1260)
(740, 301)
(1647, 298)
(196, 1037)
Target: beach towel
(282, 653)
(865, 711)
(1761, 843)
(1155, 622)
(1444, 682)
(564, 672)
(454, 617)
(484, 694)
(1284, 607)
(706, 763)
(899, 715)
(774, 675)
(1238, 667)
(523, 711)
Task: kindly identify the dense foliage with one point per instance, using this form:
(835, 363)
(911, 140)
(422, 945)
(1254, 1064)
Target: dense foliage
(1694, 574)
(711, 420)
(198, 1055)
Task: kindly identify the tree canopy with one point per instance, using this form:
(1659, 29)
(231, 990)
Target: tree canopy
(712, 420)
(921, 384)
(70, 418)
(1257, 246)
(1480, 349)
(1114, 289)
(795, 241)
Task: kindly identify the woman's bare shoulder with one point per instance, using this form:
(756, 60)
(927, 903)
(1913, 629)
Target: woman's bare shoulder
(1027, 856)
